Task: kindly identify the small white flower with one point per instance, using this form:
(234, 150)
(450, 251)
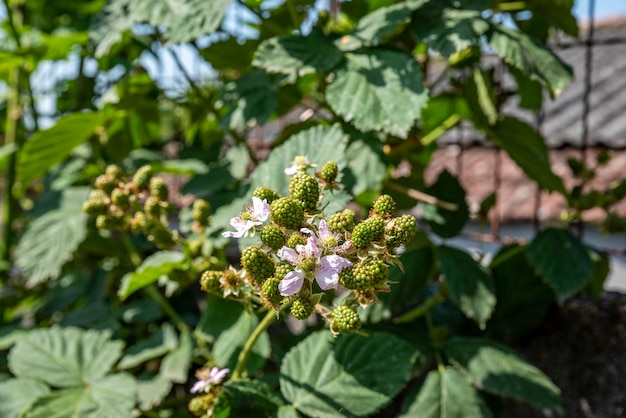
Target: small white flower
(300, 163)
(215, 376)
(249, 220)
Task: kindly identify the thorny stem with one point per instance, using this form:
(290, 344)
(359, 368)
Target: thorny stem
(152, 291)
(421, 196)
(270, 317)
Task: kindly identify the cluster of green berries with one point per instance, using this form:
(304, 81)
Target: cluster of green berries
(283, 269)
(137, 203)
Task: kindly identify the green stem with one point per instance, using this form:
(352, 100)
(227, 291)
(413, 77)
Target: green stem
(515, 6)
(440, 364)
(151, 291)
(293, 14)
(421, 196)
(420, 310)
(270, 317)
(446, 125)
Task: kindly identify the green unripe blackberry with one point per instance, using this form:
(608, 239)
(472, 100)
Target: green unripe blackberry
(273, 237)
(345, 318)
(158, 188)
(258, 265)
(110, 222)
(97, 203)
(200, 405)
(363, 275)
(160, 235)
(342, 221)
(139, 221)
(120, 198)
(385, 206)
(210, 281)
(287, 212)
(329, 172)
(282, 269)
(142, 177)
(114, 171)
(266, 193)
(362, 235)
(305, 189)
(152, 206)
(270, 291)
(400, 230)
(296, 239)
(378, 227)
(105, 182)
(346, 279)
(301, 308)
(201, 212)
(377, 269)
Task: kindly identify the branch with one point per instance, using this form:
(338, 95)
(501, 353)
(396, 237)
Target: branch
(421, 196)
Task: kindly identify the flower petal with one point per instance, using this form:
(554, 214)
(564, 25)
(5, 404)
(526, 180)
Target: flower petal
(311, 250)
(327, 278)
(260, 209)
(325, 231)
(291, 283)
(198, 386)
(289, 255)
(335, 262)
(290, 171)
(217, 375)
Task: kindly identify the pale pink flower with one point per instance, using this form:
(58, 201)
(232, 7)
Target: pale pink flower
(300, 163)
(215, 376)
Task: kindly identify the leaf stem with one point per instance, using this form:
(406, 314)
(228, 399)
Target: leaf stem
(270, 317)
(151, 291)
(515, 6)
(421, 196)
(440, 364)
(293, 14)
(421, 310)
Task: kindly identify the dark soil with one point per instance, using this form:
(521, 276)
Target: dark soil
(582, 348)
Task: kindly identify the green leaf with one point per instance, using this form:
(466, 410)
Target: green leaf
(251, 100)
(175, 366)
(197, 18)
(601, 269)
(51, 146)
(287, 411)
(51, 239)
(373, 28)
(250, 398)
(153, 267)
(231, 54)
(366, 165)
(530, 57)
(322, 376)
(523, 298)
(156, 345)
(151, 392)
(230, 342)
(7, 149)
(378, 90)
(450, 31)
(111, 397)
(481, 97)
(297, 55)
(443, 222)
(440, 108)
(320, 144)
(471, 286)
(446, 395)
(561, 260)
(529, 91)
(498, 370)
(64, 357)
(528, 149)
(17, 395)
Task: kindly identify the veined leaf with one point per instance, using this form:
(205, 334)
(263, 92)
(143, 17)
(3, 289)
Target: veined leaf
(175, 366)
(471, 285)
(251, 100)
(17, 395)
(531, 58)
(561, 260)
(443, 222)
(198, 18)
(374, 27)
(451, 31)
(64, 357)
(322, 376)
(446, 395)
(252, 398)
(153, 267)
(297, 55)
(51, 239)
(379, 91)
(528, 149)
(51, 146)
(156, 345)
(496, 369)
